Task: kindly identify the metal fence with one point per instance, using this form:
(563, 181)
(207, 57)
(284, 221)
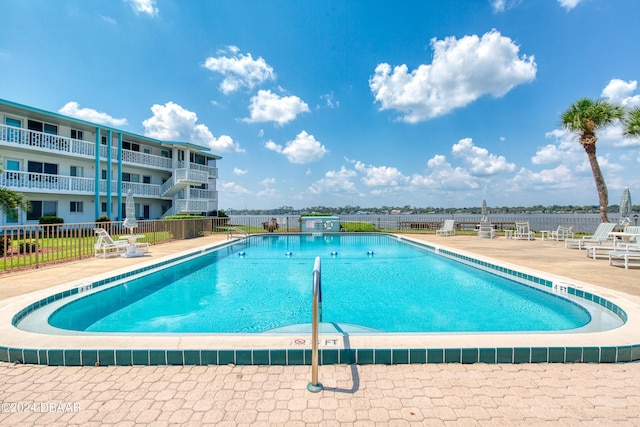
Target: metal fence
(31, 246)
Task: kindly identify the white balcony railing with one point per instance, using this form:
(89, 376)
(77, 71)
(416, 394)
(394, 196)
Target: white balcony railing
(196, 193)
(42, 182)
(63, 144)
(30, 138)
(191, 206)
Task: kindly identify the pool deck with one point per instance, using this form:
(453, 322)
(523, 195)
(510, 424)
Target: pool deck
(432, 394)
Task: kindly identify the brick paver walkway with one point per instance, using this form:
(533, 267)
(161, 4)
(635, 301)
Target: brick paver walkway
(451, 394)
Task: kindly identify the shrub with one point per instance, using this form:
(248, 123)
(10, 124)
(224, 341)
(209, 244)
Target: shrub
(219, 214)
(28, 246)
(183, 217)
(103, 219)
(52, 219)
(358, 227)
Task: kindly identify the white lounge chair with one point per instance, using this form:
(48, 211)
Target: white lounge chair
(596, 239)
(106, 245)
(486, 230)
(629, 257)
(448, 228)
(563, 232)
(523, 232)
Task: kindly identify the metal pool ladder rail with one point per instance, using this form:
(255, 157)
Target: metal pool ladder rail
(316, 317)
(231, 230)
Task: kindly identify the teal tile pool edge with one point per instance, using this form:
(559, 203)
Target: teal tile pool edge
(122, 357)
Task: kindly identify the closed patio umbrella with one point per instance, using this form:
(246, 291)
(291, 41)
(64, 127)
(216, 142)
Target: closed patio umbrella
(625, 207)
(130, 212)
(484, 212)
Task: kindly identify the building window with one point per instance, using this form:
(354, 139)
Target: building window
(76, 171)
(103, 207)
(130, 146)
(146, 150)
(42, 208)
(165, 153)
(39, 167)
(103, 174)
(76, 206)
(146, 179)
(146, 211)
(77, 134)
(42, 127)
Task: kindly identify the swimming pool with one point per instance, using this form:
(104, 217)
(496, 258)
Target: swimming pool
(291, 346)
(374, 282)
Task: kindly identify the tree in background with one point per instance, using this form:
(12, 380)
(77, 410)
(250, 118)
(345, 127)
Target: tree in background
(584, 118)
(632, 123)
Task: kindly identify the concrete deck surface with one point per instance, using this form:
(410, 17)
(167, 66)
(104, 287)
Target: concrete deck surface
(443, 394)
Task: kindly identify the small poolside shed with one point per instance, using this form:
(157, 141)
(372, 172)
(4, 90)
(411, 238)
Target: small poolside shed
(319, 224)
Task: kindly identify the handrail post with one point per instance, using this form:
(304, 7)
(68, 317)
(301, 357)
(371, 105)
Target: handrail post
(314, 386)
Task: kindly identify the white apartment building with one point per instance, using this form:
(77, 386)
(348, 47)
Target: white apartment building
(81, 171)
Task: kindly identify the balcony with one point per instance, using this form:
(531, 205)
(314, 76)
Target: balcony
(31, 182)
(181, 179)
(29, 139)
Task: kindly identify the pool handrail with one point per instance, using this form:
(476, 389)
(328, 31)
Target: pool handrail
(316, 316)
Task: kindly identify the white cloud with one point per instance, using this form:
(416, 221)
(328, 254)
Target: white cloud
(239, 172)
(547, 154)
(558, 178)
(619, 92)
(269, 107)
(171, 122)
(462, 71)
(232, 188)
(443, 176)
(502, 5)
(268, 181)
(569, 4)
(239, 70)
(335, 183)
(73, 109)
(303, 149)
(380, 175)
(479, 161)
(147, 7)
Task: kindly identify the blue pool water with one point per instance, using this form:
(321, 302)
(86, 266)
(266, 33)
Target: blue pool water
(373, 281)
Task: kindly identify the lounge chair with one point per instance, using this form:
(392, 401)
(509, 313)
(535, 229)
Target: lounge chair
(448, 228)
(563, 232)
(598, 237)
(107, 246)
(486, 230)
(629, 257)
(523, 232)
(602, 249)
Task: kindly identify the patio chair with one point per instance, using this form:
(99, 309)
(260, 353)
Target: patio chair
(629, 257)
(598, 237)
(106, 245)
(563, 232)
(523, 232)
(448, 228)
(486, 230)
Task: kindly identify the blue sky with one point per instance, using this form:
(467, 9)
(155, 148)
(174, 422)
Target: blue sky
(368, 103)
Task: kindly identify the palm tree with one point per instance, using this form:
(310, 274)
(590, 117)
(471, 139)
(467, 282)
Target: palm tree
(10, 201)
(584, 118)
(632, 123)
